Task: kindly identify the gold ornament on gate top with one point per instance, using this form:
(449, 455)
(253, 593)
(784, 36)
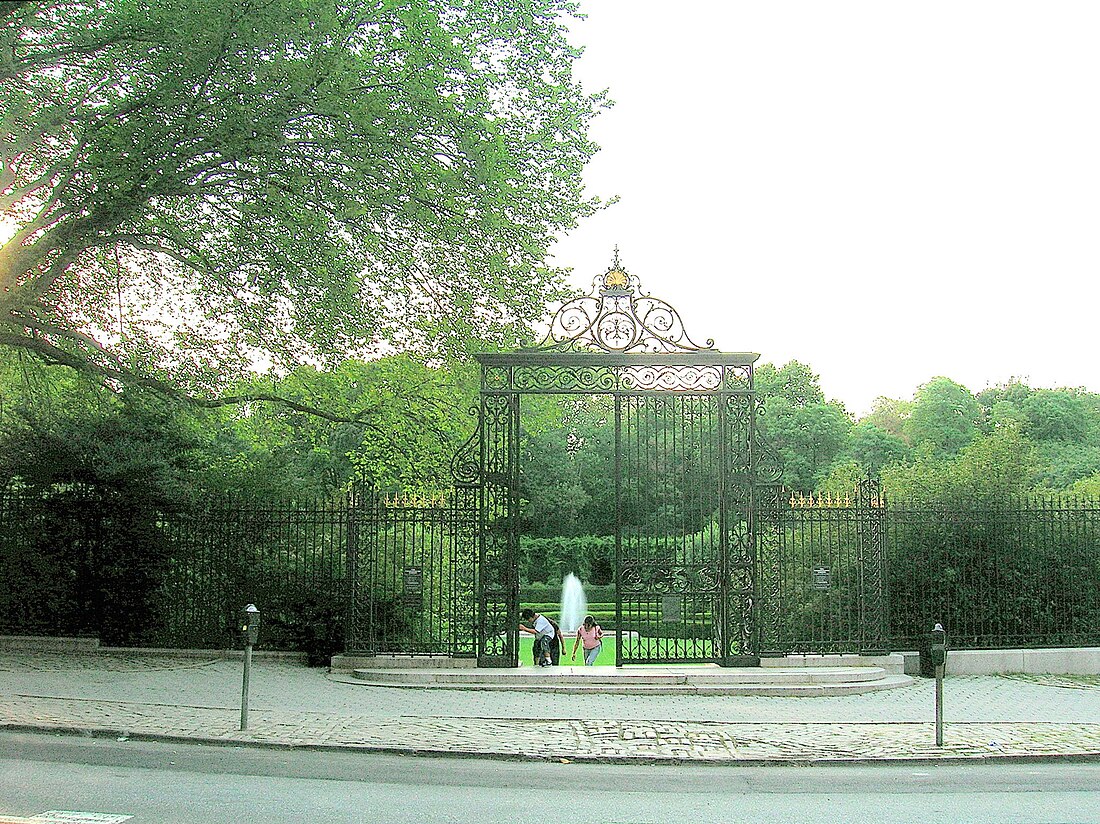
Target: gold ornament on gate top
(618, 317)
(615, 279)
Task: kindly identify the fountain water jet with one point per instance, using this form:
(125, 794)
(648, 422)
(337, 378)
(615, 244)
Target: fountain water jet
(573, 603)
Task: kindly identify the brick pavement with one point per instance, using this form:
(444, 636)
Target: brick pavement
(291, 705)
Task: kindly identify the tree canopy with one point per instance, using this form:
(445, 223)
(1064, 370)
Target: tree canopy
(395, 424)
(806, 432)
(944, 414)
(195, 186)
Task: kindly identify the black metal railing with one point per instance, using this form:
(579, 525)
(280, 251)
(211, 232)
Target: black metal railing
(380, 574)
(410, 574)
(997, 574)
(288, 557)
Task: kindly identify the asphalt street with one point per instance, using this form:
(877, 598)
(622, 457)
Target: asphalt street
(106, 780)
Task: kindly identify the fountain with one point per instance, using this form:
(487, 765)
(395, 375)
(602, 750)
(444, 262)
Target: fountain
(573, 603)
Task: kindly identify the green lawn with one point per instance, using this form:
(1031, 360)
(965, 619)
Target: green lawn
(606, 659)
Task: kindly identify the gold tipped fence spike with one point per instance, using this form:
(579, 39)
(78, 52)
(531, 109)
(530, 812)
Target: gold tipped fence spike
(832, 500)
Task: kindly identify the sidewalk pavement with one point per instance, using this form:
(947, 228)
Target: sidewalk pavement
(152, 696)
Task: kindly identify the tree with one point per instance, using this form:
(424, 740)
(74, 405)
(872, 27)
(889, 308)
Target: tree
(1064, 425)
(806, 433)
(1057, 415)
(989, 467)
(1088, 487)
(197, 185)
(794, 381)
(889, 415)
(567, 449)
(400, 425)
(873, 448)
(945, 415)
(84, 546)
(58, 429)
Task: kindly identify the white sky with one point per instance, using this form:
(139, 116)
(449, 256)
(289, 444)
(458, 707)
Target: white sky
(887, 191)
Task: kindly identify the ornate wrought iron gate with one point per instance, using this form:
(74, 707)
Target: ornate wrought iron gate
(685, 585)
(713, 560)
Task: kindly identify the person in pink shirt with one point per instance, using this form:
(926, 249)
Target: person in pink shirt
(590, 634)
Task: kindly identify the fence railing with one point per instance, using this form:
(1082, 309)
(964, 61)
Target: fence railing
(996, 574)
(814, 561)
(378, 575)
(290, 557)
(410, 574)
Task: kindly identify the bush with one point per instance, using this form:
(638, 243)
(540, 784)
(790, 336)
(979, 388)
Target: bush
(548, 560)
(551, 594)
(311, 622)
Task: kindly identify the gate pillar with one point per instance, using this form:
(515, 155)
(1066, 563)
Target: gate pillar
(871, 558)
(498, 545)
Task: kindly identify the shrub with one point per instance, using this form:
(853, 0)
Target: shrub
(548, 560)
(310, 621)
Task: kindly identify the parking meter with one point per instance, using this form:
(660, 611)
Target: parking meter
(939, 646)
(250, 626)
(939, 659)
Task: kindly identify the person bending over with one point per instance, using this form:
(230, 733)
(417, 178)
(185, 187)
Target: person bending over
(544, 632)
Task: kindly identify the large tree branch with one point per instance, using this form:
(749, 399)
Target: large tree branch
(53, 355)
(146, 245)
(45, 328)
(48, 56)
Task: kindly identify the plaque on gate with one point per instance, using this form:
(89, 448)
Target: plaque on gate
(670, 609)
(821, 578)
(413, 581)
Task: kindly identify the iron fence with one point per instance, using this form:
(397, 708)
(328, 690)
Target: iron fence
(410, 573)
(288, 557)
(823, 584)
(997, 574)
(367, 573)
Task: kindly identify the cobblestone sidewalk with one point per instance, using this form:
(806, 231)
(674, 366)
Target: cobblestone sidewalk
(989, 717)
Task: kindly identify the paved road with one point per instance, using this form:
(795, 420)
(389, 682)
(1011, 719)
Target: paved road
(147, 696)
(161, 782)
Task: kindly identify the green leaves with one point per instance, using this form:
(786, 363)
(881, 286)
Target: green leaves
(944, 415)
(289, 181)
(806, 432)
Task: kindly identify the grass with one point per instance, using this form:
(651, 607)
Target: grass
(606, 659)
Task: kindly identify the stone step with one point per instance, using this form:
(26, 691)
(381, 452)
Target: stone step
(701, 680)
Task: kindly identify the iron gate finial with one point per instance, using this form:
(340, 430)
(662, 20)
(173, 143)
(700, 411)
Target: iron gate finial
(619, 317)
